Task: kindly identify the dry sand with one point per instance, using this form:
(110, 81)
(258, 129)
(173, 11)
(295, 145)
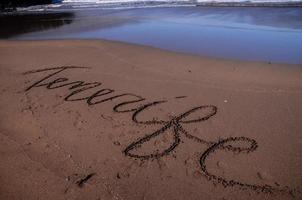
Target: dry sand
(195, 128)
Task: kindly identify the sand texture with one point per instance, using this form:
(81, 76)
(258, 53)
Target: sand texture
(108, 120)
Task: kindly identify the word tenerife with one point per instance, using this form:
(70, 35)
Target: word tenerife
(78, 92)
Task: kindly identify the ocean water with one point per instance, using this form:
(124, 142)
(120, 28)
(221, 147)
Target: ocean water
(257, 34)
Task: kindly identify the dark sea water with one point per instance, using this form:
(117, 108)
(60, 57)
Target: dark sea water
(258, 34)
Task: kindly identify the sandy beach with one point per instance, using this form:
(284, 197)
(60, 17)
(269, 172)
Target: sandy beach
(97, 119)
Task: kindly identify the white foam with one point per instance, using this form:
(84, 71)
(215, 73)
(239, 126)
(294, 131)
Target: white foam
(122, 4)
(167, 1)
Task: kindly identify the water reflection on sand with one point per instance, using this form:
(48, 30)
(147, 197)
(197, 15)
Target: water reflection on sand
(266, 34)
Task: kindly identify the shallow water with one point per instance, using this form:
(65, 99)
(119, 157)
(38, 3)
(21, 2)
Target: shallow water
(259, 34)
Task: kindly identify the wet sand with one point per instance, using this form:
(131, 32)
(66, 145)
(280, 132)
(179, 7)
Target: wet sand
(107, 120)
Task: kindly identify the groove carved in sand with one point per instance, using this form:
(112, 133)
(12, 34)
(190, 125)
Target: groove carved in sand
(76, 88)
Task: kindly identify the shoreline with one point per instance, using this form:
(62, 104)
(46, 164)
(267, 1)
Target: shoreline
(280, 65)
(246, 34)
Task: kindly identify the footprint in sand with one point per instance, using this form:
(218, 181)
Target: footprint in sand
(264, 176)
(79, 121)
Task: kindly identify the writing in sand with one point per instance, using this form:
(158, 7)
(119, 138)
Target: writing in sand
(78, 92)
